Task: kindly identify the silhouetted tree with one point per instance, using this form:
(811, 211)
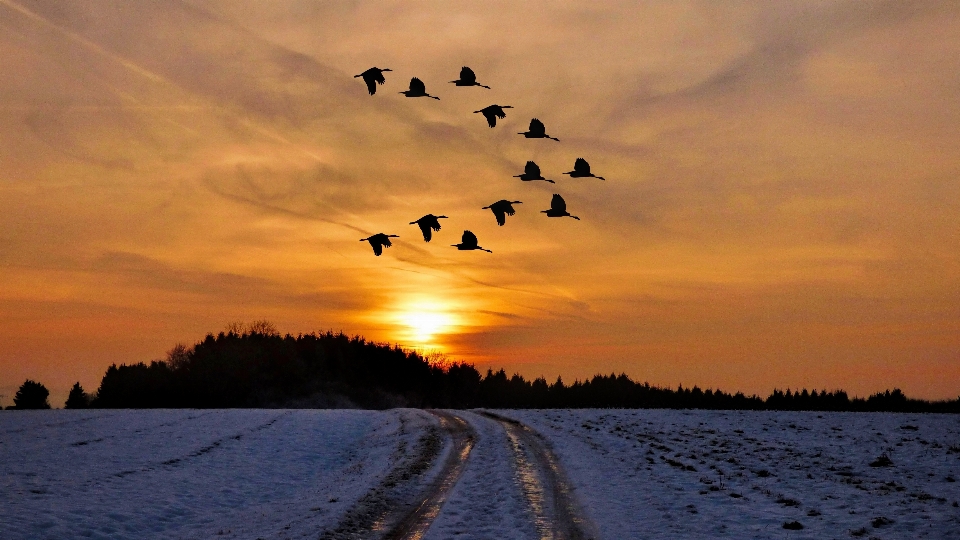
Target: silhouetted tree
(77, 399)
(254, 366)
(31, 395)
(178, 356)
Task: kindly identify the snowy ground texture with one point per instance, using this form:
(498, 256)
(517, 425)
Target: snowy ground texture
(635, 474)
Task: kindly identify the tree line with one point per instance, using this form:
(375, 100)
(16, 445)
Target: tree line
(257, 367)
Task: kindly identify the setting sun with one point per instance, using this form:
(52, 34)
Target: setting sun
(422, 321)
(780, 204)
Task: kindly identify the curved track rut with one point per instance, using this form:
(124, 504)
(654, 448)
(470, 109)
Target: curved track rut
(545, 486)
(405, 503)
(389, 510)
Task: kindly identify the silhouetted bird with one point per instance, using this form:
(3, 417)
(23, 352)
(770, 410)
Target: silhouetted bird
(558, 208)
(417, 89)
(532, 172)
(379, 241)
(469, 241)
(537, 131)
(373, 77)
(502, 209)
(428, 222)
(581, 169)
(493, 112)
(468, 78)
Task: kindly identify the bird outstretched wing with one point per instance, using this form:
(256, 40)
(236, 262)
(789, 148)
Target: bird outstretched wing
(491, 117)
(558, 204)
(501, 216)
(425, 229)
(581, 166)
(417, 86)
(537, 127)
(377, 248)
(372, 77)
(371, 84)
(468, 238)
(497, 110)
(531, 169)
(467, 75)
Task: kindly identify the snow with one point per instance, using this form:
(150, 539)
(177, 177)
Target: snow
(636, 473)
(187, 473)
(817, 467)
(487, 501)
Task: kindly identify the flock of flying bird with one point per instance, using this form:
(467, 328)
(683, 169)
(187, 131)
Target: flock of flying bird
(501, 209)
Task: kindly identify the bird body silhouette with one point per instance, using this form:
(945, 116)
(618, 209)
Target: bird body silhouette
(537, 131)
(373, 77)
(558, 208)
(501, 209)
(379, 241)
(417, 89)
(581, 169)
(469, 242)
(493, 112)
(427, 224)
(532, 172)
(468, 78)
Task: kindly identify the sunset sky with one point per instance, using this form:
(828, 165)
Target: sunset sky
(781, 205)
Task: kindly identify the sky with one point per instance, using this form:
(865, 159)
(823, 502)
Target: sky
(781, 206)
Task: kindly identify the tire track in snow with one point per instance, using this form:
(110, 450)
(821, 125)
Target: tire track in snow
(414, 526)
(146, 429)
(388, 510)
(204, 450)
(54, 424)
(548, 492)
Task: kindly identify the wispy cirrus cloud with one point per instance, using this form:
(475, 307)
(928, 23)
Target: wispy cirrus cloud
(780, 208)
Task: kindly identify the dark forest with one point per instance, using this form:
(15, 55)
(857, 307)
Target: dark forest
(238, 369)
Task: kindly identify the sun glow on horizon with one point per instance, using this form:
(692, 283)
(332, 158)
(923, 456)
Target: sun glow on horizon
(422, 321)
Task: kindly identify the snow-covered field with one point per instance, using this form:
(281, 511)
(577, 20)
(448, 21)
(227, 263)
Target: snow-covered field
(636, 474)
(704, 474)
(190, 474)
